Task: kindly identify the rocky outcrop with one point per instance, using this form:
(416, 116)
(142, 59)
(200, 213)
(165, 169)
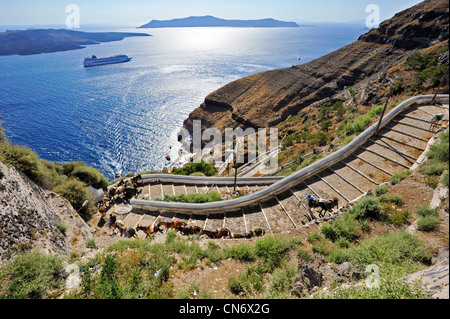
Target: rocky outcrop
(33, 218)
(419, 26)
(253, 100)
(317, 273)
(435, 279)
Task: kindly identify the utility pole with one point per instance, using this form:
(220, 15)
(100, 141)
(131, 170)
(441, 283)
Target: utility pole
(235, 172)
(384, 110)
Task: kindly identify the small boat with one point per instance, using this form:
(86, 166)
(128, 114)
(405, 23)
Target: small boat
(94, 61)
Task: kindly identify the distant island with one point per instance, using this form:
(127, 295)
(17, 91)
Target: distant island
(35, 41)
(210, 21)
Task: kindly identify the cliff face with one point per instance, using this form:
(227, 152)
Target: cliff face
(31, 218)
(254, 100)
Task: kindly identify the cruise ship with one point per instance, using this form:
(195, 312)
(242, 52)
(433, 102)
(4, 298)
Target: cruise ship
(94, 61)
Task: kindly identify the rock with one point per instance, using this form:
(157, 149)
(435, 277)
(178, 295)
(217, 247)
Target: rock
(311, 277)
(347, 271)
(435, 279)
(29, 217)
(441, 255)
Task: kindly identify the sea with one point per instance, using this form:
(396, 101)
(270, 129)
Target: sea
(125, 117)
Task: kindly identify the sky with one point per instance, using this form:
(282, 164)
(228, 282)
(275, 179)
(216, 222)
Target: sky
(138, 12)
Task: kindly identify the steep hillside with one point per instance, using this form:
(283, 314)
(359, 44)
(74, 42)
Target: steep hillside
(254, 100)
(33, 218)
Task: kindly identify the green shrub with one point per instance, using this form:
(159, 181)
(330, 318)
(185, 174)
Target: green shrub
(375, 111)
(242, 252)
(434, 167)
(30, 275)
(432, 181)
(239, 285)
(394, 199)
(338, 256)
(322, 246)
(313, 237)
(403, 250)
(282, 280)
(23, 159)
(428, 223)
(90, 243)
(440, 152)
(88, 175)
(272, 251)
(380, 190)
(428, 218)
(193, 198)
(399, 217)
(303, 255)
(213, 252)
(62, 227)
(444, 180)
(397, 178)
(424, 211)
(367, 207)
(76, 193)
(358, 125)
(346, 228)
(203, 167)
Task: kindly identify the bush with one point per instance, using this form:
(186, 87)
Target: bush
(428, 223)
(313, 237)
(367, 207)
(375, 111)
(403, 250)
(303, 255)
(272, 250)
(243, 252)
(282, 280)
(338, 256)
(380, 190)
(62, 227)
(23, 159)
(434, 167)
(424, 211)
(399, 218)
(246, 284)
(444, 180)
(397, 178)
(89, 175)
(203, 167)
(30, 275)
(358, 125)
(394, 199)
(346, 228)
(428, 218)
(440, 152)
(76, 193)
(193, 198)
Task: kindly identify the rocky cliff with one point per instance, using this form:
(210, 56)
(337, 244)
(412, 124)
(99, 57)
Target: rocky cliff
(33, 218)
(253, 100)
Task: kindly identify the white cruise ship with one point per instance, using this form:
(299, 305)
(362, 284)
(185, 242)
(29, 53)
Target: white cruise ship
(94, 61)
